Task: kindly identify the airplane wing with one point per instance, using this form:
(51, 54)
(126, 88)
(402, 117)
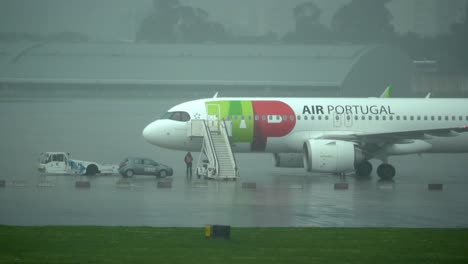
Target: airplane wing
(396, 136)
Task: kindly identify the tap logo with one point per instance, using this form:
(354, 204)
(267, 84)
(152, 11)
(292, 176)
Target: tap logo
(255, 121)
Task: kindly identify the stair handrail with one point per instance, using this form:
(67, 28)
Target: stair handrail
(227, 139)
(212, 149)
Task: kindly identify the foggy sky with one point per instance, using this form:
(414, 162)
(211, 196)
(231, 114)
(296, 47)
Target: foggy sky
(114, 20)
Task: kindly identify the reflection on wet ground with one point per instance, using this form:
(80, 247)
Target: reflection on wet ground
(110, 130)
(284, 200)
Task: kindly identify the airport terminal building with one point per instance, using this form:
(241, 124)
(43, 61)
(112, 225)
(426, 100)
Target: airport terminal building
(200, 70)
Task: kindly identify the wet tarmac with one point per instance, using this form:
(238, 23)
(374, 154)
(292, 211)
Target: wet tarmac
(109, 130)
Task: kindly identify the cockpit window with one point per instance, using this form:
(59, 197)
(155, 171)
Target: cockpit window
(177, 116)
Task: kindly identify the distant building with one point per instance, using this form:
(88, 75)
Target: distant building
(427, 79)
(200, 70)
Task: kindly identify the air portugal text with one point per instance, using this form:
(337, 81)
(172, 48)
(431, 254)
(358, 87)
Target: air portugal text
(347, 109)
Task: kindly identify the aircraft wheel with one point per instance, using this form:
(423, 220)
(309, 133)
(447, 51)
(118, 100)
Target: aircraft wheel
(364, 169)
(386, 171)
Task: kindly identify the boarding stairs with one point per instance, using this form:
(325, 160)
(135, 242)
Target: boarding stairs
(216, 161)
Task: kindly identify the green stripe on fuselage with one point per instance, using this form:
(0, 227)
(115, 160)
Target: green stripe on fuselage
(242, 116)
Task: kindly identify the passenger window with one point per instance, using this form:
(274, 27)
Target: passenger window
(257, 118)
(305, 117)
(432, 118)
(404, 118)
(348, 118)
(263, 117)
(425, 118)
(337, 117)
(363, 118)
(453, 118)
(419, 118)
(356, 118)
(319, 117)
(384, 118)
(398, 118)
(298, 117)
(376, 117)
(446, 118)
(439, 118)
(370, 117)
(326, 117)
(291, 117)
(312, 117)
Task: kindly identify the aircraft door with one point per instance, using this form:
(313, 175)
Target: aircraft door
(213, 116)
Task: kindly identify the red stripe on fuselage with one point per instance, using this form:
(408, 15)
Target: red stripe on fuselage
(264, 129)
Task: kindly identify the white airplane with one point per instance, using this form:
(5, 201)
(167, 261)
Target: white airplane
(333, 135)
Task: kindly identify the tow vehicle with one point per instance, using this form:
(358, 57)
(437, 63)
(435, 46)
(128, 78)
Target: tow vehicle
(60, 163)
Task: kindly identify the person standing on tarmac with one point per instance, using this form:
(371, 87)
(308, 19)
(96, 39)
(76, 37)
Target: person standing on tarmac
(188, 162)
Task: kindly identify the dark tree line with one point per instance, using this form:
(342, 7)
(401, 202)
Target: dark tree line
(171, 22)
(360, 21)
(448, 50)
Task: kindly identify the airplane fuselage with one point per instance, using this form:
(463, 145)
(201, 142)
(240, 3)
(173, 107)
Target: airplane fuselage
(282, 125)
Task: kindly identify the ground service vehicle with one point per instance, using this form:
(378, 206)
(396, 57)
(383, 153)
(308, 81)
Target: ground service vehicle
(143, 166)
(60, 163)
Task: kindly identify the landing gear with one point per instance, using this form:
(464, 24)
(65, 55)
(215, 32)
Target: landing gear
(386, 171)
(363, 169)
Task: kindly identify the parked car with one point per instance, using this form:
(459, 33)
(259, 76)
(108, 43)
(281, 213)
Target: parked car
(143, 166)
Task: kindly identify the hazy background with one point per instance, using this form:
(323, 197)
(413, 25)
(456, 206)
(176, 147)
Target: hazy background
(103, 122)
(433, 34)
(112, 20)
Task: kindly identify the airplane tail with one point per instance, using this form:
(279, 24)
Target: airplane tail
(388, 92)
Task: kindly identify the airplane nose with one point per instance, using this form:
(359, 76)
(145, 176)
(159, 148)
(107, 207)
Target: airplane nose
(150, 133)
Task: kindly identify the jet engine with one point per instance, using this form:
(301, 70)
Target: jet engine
(333, 156)
(288, 160)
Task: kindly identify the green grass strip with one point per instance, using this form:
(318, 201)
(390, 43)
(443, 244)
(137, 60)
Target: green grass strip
(247, 245)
